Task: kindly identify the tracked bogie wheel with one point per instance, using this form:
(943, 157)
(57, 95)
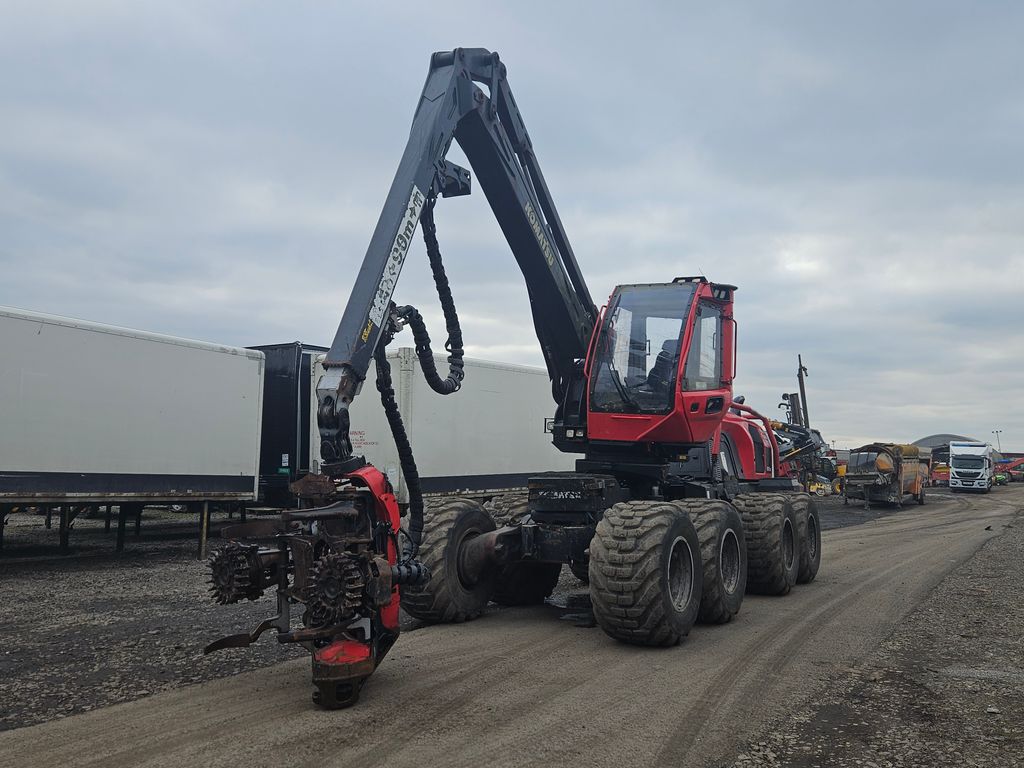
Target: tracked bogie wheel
(773, 544)
(449, 596)
(523, 582)
(723, 552)
(645, 573)
(808, 529)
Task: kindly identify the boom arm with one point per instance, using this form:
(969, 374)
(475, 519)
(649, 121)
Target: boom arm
(491, 132)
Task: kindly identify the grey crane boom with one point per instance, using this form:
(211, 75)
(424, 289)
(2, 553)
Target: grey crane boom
(490, 130)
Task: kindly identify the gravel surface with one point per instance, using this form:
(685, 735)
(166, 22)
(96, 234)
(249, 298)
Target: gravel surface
(94, 628)
(946, 687)
(519, 687)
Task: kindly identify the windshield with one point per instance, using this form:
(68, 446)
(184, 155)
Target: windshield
(862, 462)
(637, 354)
(968, 462)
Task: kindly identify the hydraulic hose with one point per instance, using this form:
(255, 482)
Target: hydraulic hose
(405, 457)
(456, 371)
(444, 386)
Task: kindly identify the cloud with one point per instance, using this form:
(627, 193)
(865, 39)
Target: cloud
(216, 171)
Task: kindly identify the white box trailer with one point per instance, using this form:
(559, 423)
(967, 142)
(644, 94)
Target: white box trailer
(488, 437)
(95, 414)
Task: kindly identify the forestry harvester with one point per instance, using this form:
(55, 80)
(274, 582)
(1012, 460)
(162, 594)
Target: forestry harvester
(677, 505)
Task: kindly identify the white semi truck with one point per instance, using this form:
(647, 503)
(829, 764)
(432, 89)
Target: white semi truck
(971, 466)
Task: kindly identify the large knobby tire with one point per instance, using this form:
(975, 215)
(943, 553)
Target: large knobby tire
(808, 529)
(773, 552)
(723, 552)
(507, 508)
(645, 573)
(448, 524)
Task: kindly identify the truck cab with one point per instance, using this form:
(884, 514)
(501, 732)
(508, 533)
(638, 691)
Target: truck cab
(971, 467)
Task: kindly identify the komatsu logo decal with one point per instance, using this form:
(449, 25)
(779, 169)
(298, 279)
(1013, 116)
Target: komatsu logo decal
(399, 249)
(561, 495)
(538, 231)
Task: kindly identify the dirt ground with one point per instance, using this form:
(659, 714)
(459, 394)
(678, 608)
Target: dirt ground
(866, 664)
(109, 628)
(945, 688)
(94, 628)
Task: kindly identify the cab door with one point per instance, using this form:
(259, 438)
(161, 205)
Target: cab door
(705, 375)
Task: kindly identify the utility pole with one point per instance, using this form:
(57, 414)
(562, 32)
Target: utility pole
(801, 371)
(999, 444)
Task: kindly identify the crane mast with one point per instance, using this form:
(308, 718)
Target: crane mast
(490, 130)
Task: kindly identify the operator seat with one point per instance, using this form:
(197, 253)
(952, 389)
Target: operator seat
(663, 370)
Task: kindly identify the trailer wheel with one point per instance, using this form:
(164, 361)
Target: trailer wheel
(773, 545)
(525, 583)
(447, 597)
(645, 573)
(723, 551)
(808, 528)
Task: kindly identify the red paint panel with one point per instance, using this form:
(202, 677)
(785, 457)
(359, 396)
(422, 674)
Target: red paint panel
(343, 652)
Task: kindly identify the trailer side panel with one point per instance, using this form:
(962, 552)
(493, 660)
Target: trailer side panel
(144, 417)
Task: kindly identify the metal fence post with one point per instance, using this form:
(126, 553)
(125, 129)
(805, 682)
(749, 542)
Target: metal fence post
(204, 529)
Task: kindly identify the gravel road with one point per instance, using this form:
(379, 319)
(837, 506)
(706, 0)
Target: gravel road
(945, 688)
(521, 687)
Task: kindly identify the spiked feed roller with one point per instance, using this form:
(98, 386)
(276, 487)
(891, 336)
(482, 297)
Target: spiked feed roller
(232, 574)
(336, 589)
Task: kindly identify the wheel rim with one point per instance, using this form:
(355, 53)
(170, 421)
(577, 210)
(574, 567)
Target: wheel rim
(812, 536)
(680, 574)
(729, 560)
(461, 571)
(788, 544)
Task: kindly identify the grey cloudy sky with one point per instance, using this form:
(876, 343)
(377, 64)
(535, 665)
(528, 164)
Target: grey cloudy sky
(214, 170)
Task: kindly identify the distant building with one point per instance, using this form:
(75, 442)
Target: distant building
(938, 441)
(939, 445)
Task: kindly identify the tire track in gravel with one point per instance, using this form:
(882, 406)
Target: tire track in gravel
(784, 642)
(411, 693)
(788, 640)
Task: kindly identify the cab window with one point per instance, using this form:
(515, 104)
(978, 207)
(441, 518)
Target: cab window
(704, 356)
